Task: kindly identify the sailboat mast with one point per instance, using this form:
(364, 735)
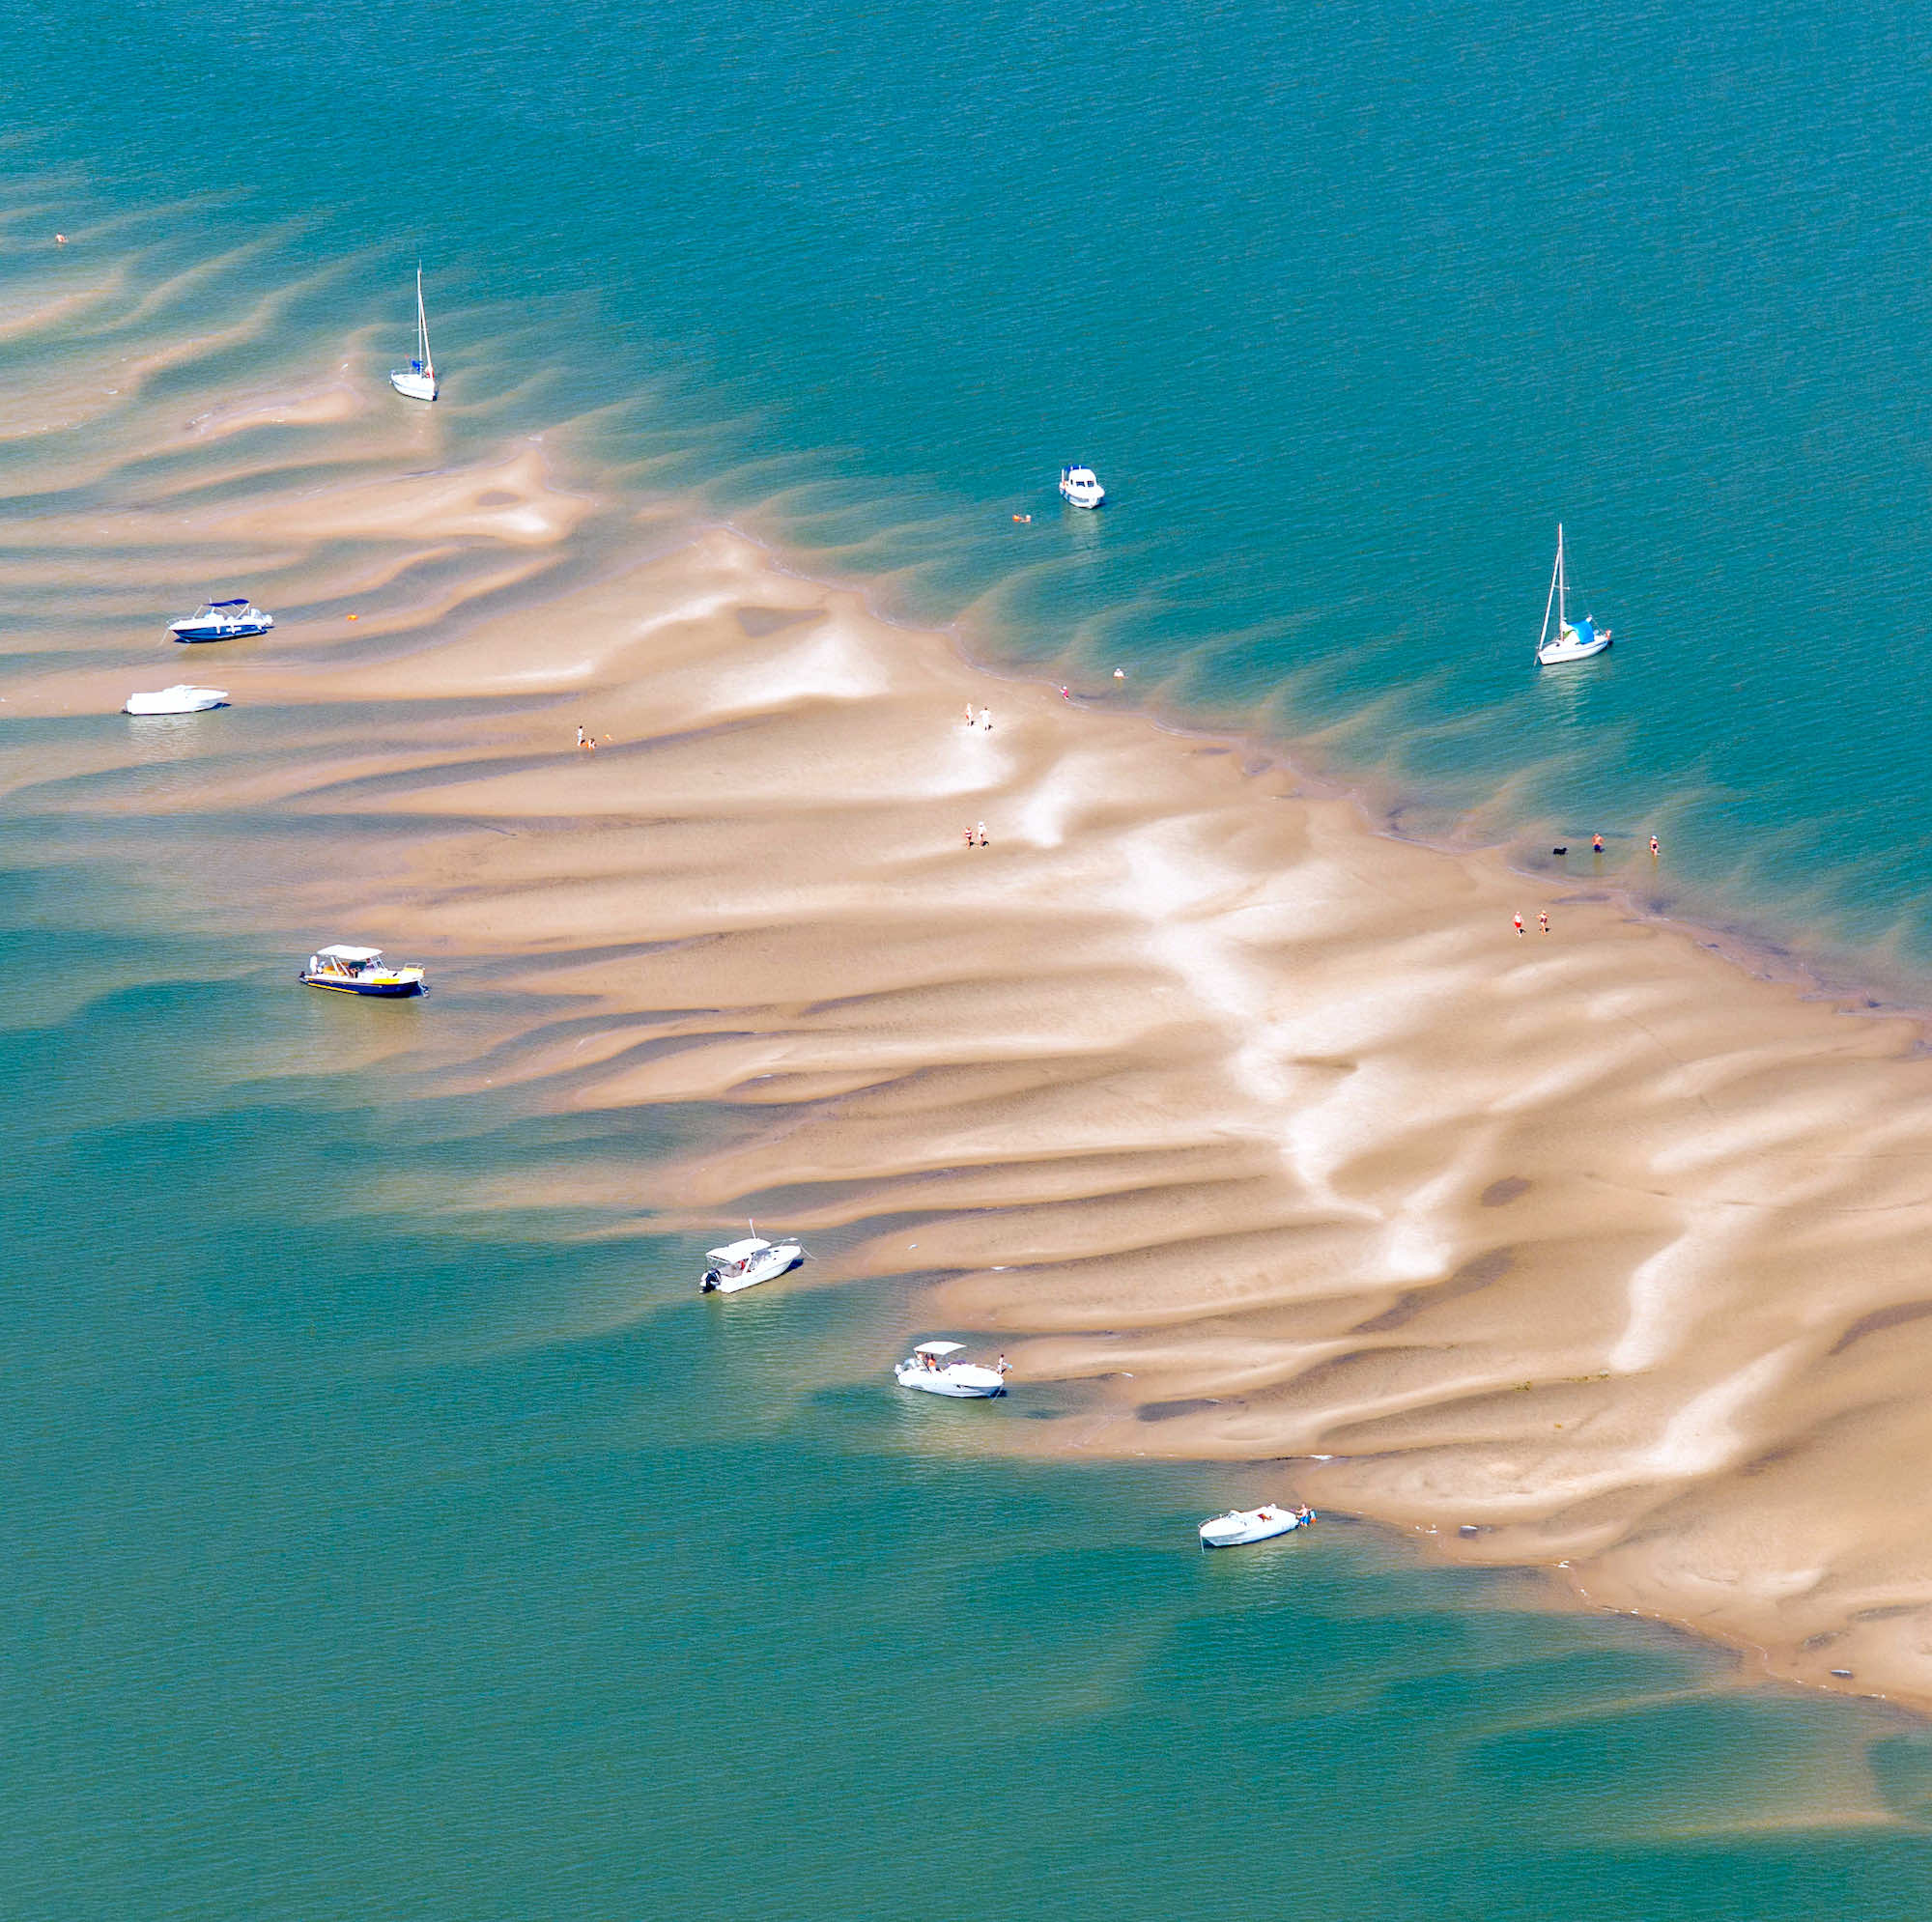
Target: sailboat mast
(1562, 584)
(422, 324)
(1556, 575)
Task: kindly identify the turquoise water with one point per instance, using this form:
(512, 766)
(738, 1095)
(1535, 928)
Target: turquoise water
(1349, 305)
(366, 1556)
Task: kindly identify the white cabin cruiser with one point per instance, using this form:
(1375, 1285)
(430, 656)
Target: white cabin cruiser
(178, 699)
(1241, 1526)
(222, 620)
(744, 1265)
(928, 1368)
(362, 971)
(1570, 642)
(1080, 487)
(417, 380)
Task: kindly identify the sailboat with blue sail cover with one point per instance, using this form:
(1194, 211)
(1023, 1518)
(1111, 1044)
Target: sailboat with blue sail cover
(1570, 642)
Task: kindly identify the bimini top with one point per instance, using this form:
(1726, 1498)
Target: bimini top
(739, 1250)
(343, 953)
(939, 1347)
(243, 602)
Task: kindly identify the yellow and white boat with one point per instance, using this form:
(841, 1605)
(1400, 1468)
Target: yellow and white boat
(362, 971)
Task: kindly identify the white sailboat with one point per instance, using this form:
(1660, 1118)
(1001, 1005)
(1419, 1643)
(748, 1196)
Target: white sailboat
(1576, 642)
(417, 380)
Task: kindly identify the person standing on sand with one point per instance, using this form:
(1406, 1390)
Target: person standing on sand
(1652, 847)
(581, 737)
(984, 842)
(1595, 843)
(986, 719)
(970, 842)
(1516, 921)
(1543, 920)
(969, 714)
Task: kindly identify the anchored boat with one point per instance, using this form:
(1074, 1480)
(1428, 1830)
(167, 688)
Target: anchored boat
(1080, 487)
(1569, 643)
(1239, 1526)
(744, 1265)
(178, 699)
(222, 620)
(362, 971)
(928, 1369)
(417, 380)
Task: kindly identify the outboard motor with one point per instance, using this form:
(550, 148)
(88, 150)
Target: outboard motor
(709, 1284)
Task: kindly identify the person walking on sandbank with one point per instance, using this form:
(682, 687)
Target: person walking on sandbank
(1543, 920)
(1516, 921)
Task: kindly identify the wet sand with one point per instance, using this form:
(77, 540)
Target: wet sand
(1255, 1132)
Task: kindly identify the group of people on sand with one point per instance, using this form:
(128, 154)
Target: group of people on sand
(1596, 847)
(985, 720)
(975, 837)
(587, 742)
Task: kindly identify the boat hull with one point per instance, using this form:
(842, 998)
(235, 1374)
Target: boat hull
(413, 386)
(1239, 1530)
(377, 990)
(1087, 501)
(248, 632)
(177, 700)
(1559, 656)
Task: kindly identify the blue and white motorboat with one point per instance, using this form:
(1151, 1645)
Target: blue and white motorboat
(222, 620)
(417, 380)
(362, 971)
(1080, 487)
(1572, 641)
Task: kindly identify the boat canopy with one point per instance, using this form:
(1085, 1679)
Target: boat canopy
(739, 1250)
(242, 603)
(1586, 631)
(343, 953)
(939, 1347)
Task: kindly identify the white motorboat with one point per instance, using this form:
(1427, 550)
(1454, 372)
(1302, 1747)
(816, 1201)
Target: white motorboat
(1080, 487)
(1239, 1526)
(1570, 642)
(417, 380)
(928, 1369)
(362, 971)
(178, 699)
(222, 620)
(744, 1265)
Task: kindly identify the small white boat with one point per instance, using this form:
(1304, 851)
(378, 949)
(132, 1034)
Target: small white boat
(928, 1368)
(1241, 1526)
(222, 620)
(417, 380)
(362, 971)
(1080, 487)
(178, 699)
(744, 1265)
(1570, 642)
